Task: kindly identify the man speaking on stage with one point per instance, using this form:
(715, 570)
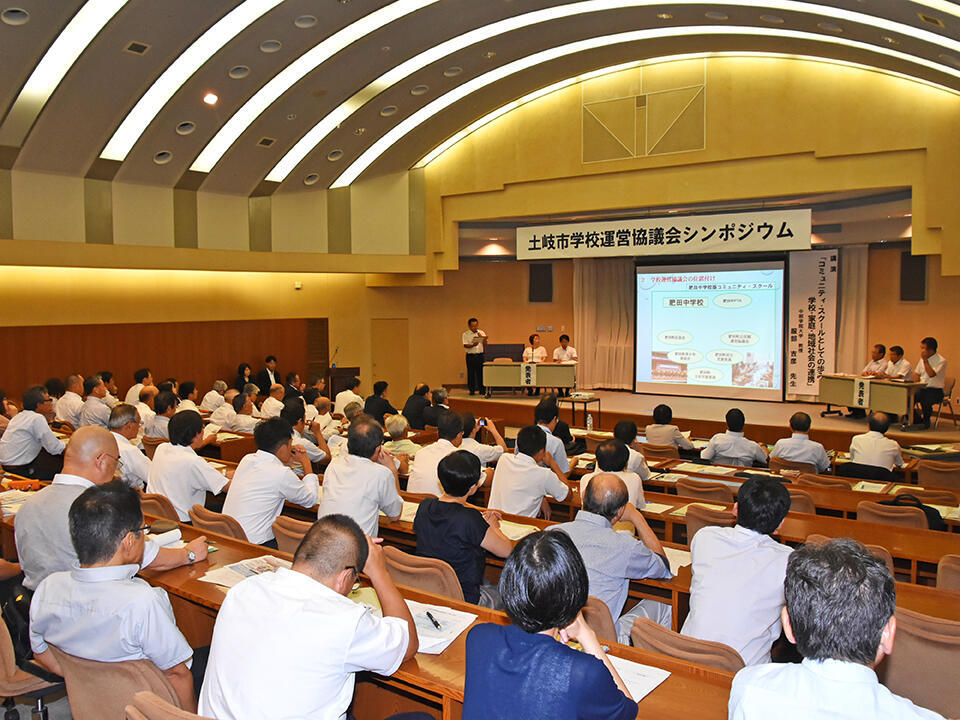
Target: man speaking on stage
(475, 342)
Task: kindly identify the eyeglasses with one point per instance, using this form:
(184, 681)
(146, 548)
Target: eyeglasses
(352, 567)
(140, 529)
(115, 459)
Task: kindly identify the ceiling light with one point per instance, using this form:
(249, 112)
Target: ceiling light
(452, 71)
(419, 89)
(294, 72)
(775, 19)
(15, 16)
(291, 116)
(418, 118)
(890, 40)
(238, 72)
(334, 155)
(179, 71)
(716, 15)
(388, 110)
(210, 98)
(185, 128)
(311, 179)
(163, 157)
(830, 27)
(54, 64)
(490, 55)
(359, 131)
(665, 16)
(270, 46)
(305, 21)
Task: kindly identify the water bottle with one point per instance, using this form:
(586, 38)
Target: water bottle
(589, 422)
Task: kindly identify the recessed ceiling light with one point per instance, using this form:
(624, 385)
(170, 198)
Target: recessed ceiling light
(334, 155)
(210, 98)
(385, 49)
(453, 71)
(15, 16)
(665, 16)
(163, 157)
(311, 179)
(830, 27)
(388, 110)
(137, 48)
(185, 128)
(239, 71)
(270, 46)
(774, 19)
(266, 141)
(291, 116)
(305, 21)
(715, 15)
(419, 90)
(890, 40)
(359, 131)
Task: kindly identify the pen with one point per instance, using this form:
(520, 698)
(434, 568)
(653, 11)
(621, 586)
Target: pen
(433, 620)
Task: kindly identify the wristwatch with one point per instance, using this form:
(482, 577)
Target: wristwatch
(191, 557)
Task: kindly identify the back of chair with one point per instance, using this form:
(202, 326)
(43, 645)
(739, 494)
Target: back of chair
(948, 572)
(659, 452)
(210, 521)
(875, 550)
(427, 574)
(150, 445)
(648, 635)
(801, 501)
(818, 481)
(159, 506)
(503, 361)
(102, 690)
(593, 441)
(147, 706)
(716, 492)
(864, 472)
(892, 515)
(932, 473)
(779, 464)
(923, 665)
(598, 617)
(701, 517)
(289, 533)
(932, 497)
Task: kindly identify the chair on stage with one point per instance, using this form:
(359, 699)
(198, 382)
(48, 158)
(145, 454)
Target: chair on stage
(289, 533)
(700, 517)
(778, 465)
(801, 501)
(819, 481)
(648, 635)
(947, 400)
(659, 452)
(711, 492)
(914, 517)
(938, 474)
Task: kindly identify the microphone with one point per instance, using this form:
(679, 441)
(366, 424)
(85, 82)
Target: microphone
(335, 351)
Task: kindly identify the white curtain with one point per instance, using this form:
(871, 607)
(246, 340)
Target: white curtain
(853, 340)
(603, 293)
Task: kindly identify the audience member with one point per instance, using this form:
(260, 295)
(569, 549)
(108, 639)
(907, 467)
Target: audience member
(377, 405)
(347, 396)
(56, 388)
(243, 376)
(439, 399)
(413, 408)
(273, 404)
(145, 405)
(840, 603)
(71, 402)
(293, 413)
(520, 670)
(28, 446)
(7, 411)
(188, 393)
(520, 485)
(873, 447)
(322, 416)
(661, 432)
(111, 397)
(626, 432)
(134, 466)
(215, 397)
(268, 377)
(165, 407)
(169, 385)
(292, 387)
(450, 529)
(423, 478)
(737, 589)
(141, 378)
(546, 415)
(223, 416)
(94, 410)
(799, 447)
(488, 454)
(243, 419)
(397, 428)
(731, 447)
(612, 457)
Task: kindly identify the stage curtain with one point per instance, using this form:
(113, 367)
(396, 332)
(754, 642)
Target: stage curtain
(852, 350)
(603, 296)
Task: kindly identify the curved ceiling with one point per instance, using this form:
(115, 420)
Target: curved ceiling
(338, 88)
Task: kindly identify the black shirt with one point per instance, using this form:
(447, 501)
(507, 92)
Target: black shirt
(376, 407)
(431, 415)
(413, 410)
(452, 532)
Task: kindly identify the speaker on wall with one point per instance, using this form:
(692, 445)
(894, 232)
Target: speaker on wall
(541, 282)
(913, 277)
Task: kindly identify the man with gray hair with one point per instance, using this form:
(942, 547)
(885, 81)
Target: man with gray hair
(134, 466)
(252, 391)
(613, 559)
(397, 427)
(432, 413)
(215, 398)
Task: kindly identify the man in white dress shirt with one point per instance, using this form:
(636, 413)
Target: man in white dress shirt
(612, 458)
(347, 396)
(546, 416)
(520, 485)
(188, 393)
(124, 423)
(877, 364)
(897, 365)
(873, 448)
(215, 397)
(318, 411)
(263, 481)
(488, 454)
(566, 354)
(223, 415)
(474, 344)
(111, 397)
(28, 446)
(178, 473)
(145, 405)
(308, 638)
(423, 478)
(95, 410)
(661, 432)
(363, 481)
(626, 432)
(731, 447)
(99, 610)
(165, 405)
(141, 378)
(799, 447)
(736, 594)
(293, 413)
(840, 603)
(274, 403)
(244, 419)
(932, 370)
(71, 402)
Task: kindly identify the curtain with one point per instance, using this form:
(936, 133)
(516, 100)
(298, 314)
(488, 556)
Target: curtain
(853, 340)
(603, 296)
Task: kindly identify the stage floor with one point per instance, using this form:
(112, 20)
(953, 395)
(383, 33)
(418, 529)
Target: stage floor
(757, 412)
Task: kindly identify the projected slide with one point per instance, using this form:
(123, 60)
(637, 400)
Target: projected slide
(712, 331)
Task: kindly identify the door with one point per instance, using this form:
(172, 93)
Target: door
(390, 358)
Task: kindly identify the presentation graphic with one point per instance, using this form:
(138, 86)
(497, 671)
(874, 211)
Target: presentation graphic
(712, 330)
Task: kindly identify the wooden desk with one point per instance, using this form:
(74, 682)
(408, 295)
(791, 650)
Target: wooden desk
(896, 398)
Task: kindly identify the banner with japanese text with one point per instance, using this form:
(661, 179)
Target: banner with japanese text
(761, 231)
(812, 320)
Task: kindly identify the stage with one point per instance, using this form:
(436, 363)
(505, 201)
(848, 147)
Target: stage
(766, 421)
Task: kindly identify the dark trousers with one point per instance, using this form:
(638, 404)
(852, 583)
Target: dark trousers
(272, 544)
(43, 467)
(928, 397)
(475, 372)
(198, 668)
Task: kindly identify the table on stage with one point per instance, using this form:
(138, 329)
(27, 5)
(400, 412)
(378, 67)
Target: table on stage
(895, 398)
(511, 375)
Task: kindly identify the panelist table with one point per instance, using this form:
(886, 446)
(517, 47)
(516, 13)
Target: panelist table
(514, 375)
(895, 398)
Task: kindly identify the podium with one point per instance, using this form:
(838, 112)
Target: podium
(338, 377)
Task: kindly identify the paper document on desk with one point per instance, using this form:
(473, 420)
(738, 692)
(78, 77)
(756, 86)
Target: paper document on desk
(233, 574)
(690, 467)
(515, 531)
(171, 538)
(668, 477)
(904, 488)
(640, 680)
(210, 429)
(677, 557)
(452, 622)
(947, 512)
(577, 432)
(682, 511)
(225, 436)
(699, 444)
(720, 470)
(12, 500)
(408, 513)
(931, 448)
(656, 508)
(871, 487)
(686, 434)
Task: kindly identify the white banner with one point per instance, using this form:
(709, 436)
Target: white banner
(528, 374)
(861, 393)
(672, 235)
(812, 320)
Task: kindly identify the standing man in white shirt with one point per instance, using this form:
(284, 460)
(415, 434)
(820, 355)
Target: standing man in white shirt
(178, 472)
(840, 602)
(731, 447)
(661, 432)
(736, 594)
(141, 378)
(931, 370)
(567, 354)
(474, 343)
(263, 481)
(424, 478)
(346, 396)
(534, 353)
(309, 639)
(520, 485)
(95, 410)
(124, 423)
(71, 402)
(274, 404)
(488, 454)
(28, 446)
(215, 397)
(799, 447)
(363, 481)
(873, 448)
(898, 367)
(546, 416)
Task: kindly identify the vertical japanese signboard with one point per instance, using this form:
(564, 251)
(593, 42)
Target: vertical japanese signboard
(812, 320)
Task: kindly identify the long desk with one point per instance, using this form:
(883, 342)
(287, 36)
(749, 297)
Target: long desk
(895, 398)
(510, 375)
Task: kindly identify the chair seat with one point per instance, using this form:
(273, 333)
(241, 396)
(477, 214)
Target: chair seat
(23, 683)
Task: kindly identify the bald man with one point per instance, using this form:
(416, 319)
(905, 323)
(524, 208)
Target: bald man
(43, 528)
(274, 404)
(224, 415)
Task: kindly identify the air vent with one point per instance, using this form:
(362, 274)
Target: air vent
(266, 141)
(931, 20)
(137, 48)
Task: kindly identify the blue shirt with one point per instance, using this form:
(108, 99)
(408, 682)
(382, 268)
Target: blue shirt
(513, 674)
